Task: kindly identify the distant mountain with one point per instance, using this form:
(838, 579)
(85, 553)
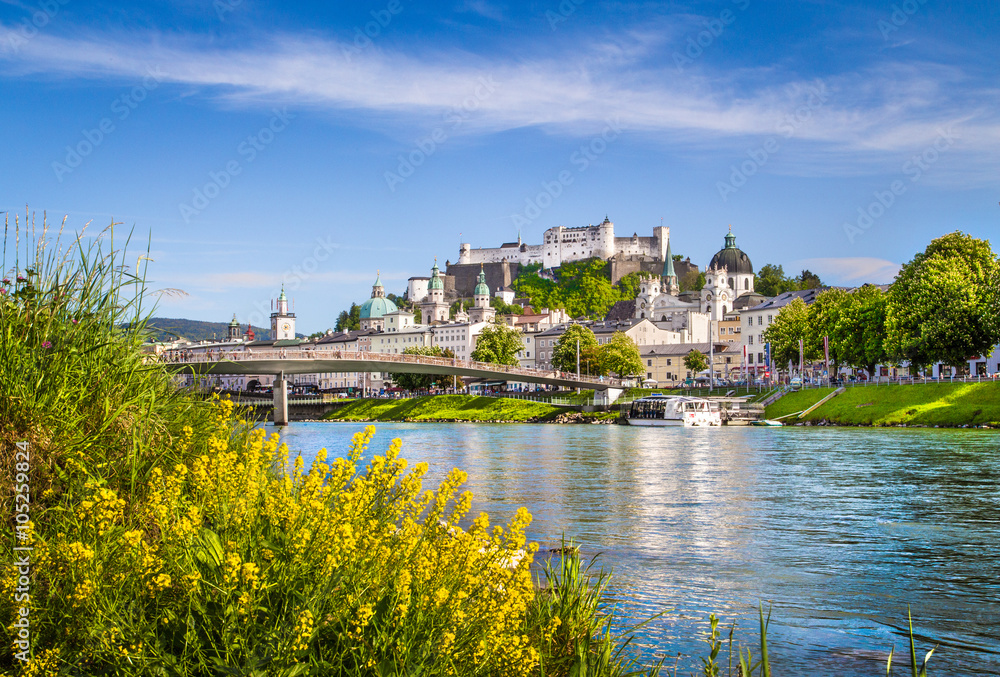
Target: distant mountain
(168, 329)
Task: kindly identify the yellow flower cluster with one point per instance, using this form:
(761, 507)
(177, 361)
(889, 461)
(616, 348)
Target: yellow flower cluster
(234, 550)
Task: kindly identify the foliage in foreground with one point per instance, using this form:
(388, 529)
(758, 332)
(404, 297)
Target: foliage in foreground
(167, 541)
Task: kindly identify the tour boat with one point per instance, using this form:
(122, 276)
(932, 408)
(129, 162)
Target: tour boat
(663, 410)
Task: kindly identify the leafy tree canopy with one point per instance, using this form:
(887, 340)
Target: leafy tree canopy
(583, 288)
(695, 362)
(621, 356)
(564, 354)
(349, 320)
(791, 324)
(945, 303)
(498, 344)
(860, 329)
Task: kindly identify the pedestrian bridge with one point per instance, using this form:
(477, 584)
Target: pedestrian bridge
(281, 363)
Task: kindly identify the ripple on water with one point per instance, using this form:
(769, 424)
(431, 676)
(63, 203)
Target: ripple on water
(838, 528)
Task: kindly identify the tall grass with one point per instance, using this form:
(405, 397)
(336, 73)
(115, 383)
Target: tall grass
(169, 540)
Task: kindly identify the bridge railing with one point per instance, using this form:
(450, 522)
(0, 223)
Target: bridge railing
(184, 357)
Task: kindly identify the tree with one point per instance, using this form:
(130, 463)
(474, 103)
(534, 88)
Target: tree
(421, 381)
(621, 356)
(808, 280)
(564, 354)
(498, 344)
(945, 304)
(693, 280)
(695, 362)
(349, 320)
(860, 330)
(824, 316)
(504, 308)
(791, 324)
(771, 281)
(318, 334)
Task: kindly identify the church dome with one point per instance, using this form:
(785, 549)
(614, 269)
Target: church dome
(377, 307)
(732, 258)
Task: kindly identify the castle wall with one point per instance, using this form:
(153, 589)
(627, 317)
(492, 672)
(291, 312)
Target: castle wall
(465, 277)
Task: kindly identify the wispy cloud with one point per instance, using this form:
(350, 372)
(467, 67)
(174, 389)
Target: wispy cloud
(873, 114)
(229, 281)
(850, 270)
(483, 8)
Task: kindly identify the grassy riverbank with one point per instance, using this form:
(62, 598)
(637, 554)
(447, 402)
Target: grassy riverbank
(452, 408)
(941, 404)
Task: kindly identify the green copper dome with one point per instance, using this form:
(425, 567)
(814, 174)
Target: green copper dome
(481, 288)
(282, 297)
(234, 323)
(436, 282)
(378, 305)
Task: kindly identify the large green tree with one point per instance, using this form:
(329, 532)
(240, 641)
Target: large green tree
(791, 324)
(498, 344)
(824, 315)
(860, 330)
(945, 304)
(621, 356)
(564, 354)
(771, 280)
(695, 362)
(421, 381)
(583, 288)
(349, 319)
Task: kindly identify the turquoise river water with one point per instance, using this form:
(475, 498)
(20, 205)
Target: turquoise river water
(837, 529)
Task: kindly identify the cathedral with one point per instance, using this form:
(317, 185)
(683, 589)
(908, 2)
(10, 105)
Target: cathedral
(728, 287)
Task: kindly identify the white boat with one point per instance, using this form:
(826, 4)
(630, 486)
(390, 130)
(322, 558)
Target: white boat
(664, 410)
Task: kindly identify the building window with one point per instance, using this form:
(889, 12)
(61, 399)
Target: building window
(760, 320)
(669, 362)
(649, 363)
(750, 339)
(769, 319)
(750, 358)
(760, 358)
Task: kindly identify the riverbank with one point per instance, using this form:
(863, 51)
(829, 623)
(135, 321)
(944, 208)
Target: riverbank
(931, 405)
(462, 408)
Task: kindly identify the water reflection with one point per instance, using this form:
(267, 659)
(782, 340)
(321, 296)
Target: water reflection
(839, 528)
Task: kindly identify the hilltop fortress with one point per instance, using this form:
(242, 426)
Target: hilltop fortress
(561, 245)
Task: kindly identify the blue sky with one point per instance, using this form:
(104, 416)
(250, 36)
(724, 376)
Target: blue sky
(314, 143)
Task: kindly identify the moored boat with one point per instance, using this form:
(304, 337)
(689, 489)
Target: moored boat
(663, 410)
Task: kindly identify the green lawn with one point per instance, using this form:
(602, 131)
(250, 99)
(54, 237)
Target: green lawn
(448, 408)
(945, 404)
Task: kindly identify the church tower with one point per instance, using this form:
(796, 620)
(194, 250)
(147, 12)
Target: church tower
(282, 321)
(234, 330)
(669, 278)
(433, 308)
(482, 311)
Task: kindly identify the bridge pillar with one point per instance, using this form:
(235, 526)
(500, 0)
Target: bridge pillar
(608, 396)
(280, 400)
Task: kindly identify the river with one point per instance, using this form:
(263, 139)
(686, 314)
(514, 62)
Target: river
(835, 529)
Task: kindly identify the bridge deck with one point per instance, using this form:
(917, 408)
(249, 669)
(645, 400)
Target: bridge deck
(333, 361)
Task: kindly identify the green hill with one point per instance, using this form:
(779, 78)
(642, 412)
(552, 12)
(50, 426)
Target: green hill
(169, 328)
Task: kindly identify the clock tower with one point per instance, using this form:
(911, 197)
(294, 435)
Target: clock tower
(282, 321)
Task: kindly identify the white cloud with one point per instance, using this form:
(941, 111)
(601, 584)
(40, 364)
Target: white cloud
(874, 115)
(849, 270)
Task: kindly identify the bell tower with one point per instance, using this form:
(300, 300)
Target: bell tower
(282, 321)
